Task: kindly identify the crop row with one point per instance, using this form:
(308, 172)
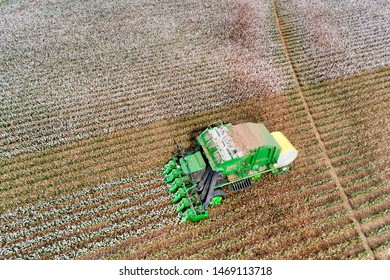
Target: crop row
(363, 47)
(130, 114)
(80, 164)
(57, 225)
(118, 120)
(117, 93)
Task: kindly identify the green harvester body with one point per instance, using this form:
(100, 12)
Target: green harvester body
(226, 156)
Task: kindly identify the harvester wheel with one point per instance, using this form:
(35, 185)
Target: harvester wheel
(283, 170)
(218, 196)
(219, 192)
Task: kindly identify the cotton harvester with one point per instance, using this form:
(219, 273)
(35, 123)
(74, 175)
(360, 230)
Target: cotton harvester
(226, 156)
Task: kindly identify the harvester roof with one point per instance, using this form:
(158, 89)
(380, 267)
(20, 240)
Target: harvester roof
(249, 136)
(226, 142)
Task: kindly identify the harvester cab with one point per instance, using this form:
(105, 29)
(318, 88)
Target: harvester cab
(228, 156)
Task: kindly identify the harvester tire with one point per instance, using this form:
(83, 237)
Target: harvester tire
(219, 192)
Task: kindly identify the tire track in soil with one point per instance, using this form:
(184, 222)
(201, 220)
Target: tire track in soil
(332, 170)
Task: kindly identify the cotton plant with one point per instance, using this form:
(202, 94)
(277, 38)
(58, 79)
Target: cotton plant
(72, 221)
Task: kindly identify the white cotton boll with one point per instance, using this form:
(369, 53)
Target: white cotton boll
(79, 220)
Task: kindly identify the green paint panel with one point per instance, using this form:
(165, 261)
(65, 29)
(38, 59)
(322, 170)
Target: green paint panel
(237, 152)
(261, 150)
(192, 163)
